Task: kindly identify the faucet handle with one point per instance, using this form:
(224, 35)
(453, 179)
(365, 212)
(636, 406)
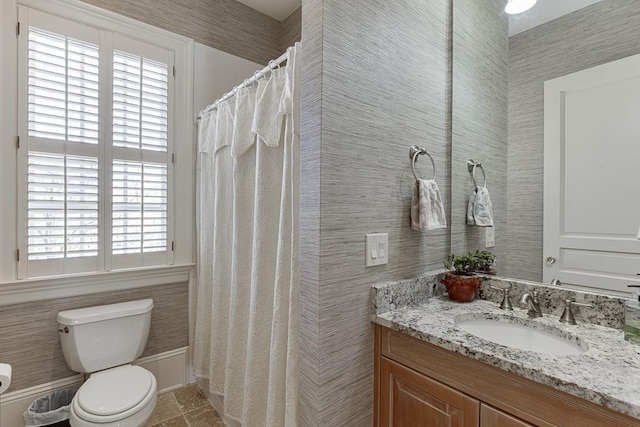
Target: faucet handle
(567, 314)
(506, 300)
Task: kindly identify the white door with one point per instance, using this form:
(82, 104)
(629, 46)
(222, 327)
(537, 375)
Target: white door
(592, 176)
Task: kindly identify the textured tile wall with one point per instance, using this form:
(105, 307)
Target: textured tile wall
(227, 25)
(479, 118)
(30, 342)
(376, 82)
(600, 33)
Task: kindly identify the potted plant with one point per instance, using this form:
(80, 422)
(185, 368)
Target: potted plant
(484, 262)
(461, 281)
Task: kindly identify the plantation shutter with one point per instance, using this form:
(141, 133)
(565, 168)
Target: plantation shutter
(63, 88)
(95, 112)
(60, 72)
(141, 153)
(63, 206)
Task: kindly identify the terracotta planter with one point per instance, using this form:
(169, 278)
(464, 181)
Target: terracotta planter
(461, 288)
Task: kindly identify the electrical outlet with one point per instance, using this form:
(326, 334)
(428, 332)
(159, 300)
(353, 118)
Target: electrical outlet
(490, 237)
(376, 249)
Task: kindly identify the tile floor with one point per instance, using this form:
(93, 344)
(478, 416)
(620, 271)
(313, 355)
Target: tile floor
(186, 407)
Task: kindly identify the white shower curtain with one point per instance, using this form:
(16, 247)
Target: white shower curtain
(246, 339)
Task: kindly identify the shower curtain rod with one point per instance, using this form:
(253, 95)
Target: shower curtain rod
(256, 76)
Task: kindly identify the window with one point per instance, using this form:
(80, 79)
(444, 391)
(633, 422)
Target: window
(95, 168)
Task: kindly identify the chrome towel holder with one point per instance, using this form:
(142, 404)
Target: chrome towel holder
(471, 166)
(414, 153)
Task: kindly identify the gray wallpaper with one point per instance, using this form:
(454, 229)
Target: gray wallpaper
(227, 25)
(30, 343)
(600, 33)
(376, 81)
(291, 29)
(479, 118)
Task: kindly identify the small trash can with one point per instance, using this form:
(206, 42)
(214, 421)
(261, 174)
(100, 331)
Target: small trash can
(50, 410)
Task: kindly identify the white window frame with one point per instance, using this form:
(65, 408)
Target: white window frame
(183, 133)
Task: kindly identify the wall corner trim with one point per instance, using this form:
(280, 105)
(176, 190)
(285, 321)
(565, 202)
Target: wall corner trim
(44, 288)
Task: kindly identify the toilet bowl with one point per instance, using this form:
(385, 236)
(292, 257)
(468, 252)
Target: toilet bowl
(124, 396)
(103, 341)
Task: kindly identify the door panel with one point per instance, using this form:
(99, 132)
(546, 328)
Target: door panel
(592, 145)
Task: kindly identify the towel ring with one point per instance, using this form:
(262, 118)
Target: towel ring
(416, 151)
(471, 166)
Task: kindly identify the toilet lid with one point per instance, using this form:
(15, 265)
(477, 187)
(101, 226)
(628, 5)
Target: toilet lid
(115, 390)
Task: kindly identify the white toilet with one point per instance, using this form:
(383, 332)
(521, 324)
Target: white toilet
(103, 341)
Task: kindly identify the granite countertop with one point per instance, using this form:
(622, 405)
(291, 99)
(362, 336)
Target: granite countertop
(607, 374)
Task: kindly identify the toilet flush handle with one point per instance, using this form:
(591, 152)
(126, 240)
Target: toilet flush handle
(65, 330)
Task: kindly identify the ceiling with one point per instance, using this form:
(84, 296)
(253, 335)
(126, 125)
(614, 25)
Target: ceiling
(544, 11)
(278, 9)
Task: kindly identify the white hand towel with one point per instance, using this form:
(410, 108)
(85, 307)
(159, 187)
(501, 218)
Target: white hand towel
(427, 210)
(479, 209)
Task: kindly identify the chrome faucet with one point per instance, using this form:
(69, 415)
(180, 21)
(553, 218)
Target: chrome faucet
(567, 314)
(532, 304)
(506, 300)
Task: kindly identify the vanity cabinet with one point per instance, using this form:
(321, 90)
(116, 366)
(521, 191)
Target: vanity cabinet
(493, 417)
(417, 400)
(418, 384)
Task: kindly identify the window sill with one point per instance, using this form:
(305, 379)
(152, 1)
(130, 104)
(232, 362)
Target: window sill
(45, 288)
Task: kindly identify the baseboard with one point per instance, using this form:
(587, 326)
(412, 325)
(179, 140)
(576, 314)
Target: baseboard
(170, 369)
(13, 404)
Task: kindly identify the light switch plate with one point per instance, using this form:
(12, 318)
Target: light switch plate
(490, 237)
(376, 249)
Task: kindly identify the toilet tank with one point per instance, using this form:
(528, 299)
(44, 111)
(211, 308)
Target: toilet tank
(101, 337)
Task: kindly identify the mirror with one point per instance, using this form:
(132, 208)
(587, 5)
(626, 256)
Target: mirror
(500, 66)
(479, 118)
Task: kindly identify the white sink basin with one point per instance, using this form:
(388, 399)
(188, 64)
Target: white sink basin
(520, 336)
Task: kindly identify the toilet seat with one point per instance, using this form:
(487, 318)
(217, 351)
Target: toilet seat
(114, 394)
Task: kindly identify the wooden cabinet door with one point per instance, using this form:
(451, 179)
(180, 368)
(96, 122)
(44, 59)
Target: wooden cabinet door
(492, 417)
(410, 399)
